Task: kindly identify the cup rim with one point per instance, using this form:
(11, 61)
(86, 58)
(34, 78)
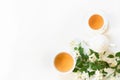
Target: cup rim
(69, 71)
(103, 15)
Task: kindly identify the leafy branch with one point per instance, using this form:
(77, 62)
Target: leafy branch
(83, 64)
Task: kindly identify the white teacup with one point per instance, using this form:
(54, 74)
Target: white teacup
(99, 43)
(101, 15)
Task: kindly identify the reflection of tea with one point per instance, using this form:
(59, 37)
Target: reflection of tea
(96, 22)
(64, 62)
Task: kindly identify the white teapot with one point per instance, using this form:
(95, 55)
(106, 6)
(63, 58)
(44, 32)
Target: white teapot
(99, 43)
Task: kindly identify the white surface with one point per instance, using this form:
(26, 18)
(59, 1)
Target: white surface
(33, 31)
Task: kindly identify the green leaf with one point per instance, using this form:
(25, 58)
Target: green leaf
(104, 73)
(118, 62)
(93, 66)
(78, 62)
(117, 54)
(91, 73)
(86, 57)
(118, 70)
(75, 70)
(97, 55)
(98, 65)
(84, 69)
(102, 65)
(110, 56)
(113, 67)
(75, 48)
(81, 51)
(93, 52)
(82, 54)
(86, 64)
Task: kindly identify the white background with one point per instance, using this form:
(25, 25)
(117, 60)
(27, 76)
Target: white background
(33, 31)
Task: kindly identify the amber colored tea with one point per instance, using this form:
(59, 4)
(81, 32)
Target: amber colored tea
(63, 62)
(96, 21)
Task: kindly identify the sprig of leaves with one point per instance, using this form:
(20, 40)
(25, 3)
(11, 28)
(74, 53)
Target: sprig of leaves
(83, 64)
(117, 67)
(82, 60)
